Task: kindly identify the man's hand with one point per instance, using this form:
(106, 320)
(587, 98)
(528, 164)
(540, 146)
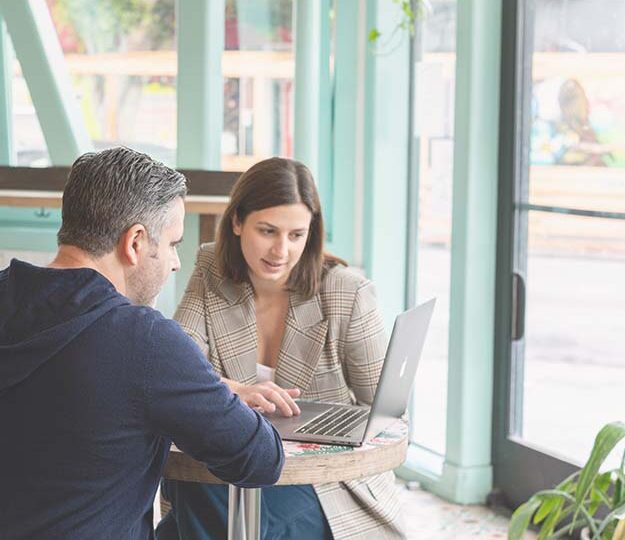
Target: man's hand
(267, 396)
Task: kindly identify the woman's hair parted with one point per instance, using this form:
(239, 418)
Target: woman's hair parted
(275, 182)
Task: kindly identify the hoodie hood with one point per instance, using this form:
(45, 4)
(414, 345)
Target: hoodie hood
(44, 309)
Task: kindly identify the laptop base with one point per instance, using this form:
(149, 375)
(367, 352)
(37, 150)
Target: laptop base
(288, 426)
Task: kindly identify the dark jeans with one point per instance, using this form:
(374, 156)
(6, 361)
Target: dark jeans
(200, 512)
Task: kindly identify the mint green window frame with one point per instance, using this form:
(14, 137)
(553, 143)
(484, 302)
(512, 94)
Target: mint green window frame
(354, 133)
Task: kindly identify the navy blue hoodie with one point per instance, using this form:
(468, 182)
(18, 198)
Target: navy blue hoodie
(92, 391)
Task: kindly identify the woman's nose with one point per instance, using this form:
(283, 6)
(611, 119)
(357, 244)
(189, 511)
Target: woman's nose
(280, 246)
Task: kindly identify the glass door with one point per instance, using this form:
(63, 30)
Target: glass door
(561, 284)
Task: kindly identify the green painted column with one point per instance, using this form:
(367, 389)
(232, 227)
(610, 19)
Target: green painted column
(6, 109)
(386, 145)
(325, 153)
(312, 120)
(200, 116)
(39, 52)
(467, 470)
(340, 209)
(200, 83)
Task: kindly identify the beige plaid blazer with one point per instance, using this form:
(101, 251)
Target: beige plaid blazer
(332, 350)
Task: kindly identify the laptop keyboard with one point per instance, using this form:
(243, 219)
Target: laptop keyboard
(336, 421)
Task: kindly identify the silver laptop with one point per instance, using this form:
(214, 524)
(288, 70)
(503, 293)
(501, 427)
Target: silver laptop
(351, 425)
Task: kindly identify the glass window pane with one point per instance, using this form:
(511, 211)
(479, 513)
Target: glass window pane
(30, 146)
(123, 66)
(574, 369)
(578, 105)
(259, 67)
(122, 61)
(434, 123)
(575, 323)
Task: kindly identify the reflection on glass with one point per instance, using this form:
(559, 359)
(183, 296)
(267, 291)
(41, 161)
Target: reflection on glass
(123, 66)
(259, 67)
(578, 98)
(30, 146)
(434, 127)
(575, 323)
(578, 104)
(574, 369)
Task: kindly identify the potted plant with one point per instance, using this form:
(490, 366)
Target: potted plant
(589, 501)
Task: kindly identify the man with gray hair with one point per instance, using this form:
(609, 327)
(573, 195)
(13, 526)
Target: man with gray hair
(94, 384)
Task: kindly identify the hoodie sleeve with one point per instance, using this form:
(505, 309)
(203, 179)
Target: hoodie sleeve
(186, 402)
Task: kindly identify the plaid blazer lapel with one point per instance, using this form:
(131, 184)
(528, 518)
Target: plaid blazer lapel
(234, 330)
(304, 338)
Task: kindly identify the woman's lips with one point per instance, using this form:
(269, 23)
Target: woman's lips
(272, 266)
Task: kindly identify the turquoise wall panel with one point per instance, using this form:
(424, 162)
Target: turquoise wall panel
(339, 205)
(200, 96)
(6, 109)
(386, 159)
(466, 475)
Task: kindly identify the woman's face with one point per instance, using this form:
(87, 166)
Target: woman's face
(272, 242)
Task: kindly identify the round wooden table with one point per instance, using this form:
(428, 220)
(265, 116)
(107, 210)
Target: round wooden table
(306, 463)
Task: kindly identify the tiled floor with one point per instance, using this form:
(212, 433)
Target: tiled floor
(430, 518)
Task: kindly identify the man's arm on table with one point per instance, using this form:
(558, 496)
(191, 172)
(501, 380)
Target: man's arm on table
(187, 402)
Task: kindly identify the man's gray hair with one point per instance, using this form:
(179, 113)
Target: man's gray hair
(108, 192)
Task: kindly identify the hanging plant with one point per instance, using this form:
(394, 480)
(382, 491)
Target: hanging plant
(409, 11)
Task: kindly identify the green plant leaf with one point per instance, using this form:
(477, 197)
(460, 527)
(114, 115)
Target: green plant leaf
(595, 501)
(407, 9)
(549, 502)
(618, 497)
(604, 480)
(552, 520)
(521, 518)
(605, 442)
(373, 34)
(599, 492)
(619, 533)
(569, 483)
(616, 515)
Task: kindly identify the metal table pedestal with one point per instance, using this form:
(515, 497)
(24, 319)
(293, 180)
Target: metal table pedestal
(243, 513)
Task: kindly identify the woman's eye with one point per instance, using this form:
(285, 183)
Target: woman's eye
(296, 236)
(266, 231)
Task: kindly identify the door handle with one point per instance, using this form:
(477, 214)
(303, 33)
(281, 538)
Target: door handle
(518, 307)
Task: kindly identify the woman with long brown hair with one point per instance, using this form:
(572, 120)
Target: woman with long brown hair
(279, 319)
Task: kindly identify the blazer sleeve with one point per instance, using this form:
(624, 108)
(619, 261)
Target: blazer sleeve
(190, 314)
(365, 344)
(185, 401)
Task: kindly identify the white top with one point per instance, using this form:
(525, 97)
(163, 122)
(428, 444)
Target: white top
(265, 373)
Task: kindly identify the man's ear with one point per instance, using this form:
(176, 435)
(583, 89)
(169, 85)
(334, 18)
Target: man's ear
(133, 243)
